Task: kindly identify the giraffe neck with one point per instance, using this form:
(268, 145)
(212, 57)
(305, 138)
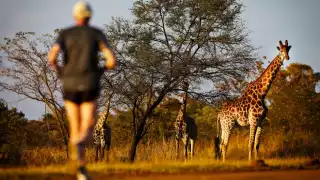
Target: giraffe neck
(185, 101)
(269, 74)
(182, 110)
(104, 115)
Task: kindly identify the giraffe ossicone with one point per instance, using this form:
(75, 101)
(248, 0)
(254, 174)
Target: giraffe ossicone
(249, 109)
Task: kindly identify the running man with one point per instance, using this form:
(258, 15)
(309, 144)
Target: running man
(80, 77)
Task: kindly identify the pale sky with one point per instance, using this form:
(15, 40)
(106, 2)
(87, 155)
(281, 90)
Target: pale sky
(269, 20)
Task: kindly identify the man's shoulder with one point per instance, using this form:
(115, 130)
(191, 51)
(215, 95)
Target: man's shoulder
(96, 29)
(73, 27)
(67, 29)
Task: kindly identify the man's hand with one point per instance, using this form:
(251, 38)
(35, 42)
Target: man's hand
(52, 56)
(109, 56)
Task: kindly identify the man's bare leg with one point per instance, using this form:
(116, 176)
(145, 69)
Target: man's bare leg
(73, 113)
(88, 120)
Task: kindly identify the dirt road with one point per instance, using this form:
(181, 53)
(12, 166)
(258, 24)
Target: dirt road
(263, 175)
(274, 175)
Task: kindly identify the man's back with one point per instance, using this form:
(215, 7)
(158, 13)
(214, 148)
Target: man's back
(80, 45)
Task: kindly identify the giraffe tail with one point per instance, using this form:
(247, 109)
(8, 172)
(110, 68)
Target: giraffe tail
(217, 140)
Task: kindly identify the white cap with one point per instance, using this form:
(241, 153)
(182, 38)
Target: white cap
(82, 10)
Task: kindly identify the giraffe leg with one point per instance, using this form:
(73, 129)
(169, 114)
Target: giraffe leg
(97, 152)
(192, 148)
(177, 148)
(257, 142)
(108, 144)
(225, 135)
(186, 151)
(107, 154)
(217, 148)
(253, 129)
(186, 143)
(102, 147)
(102, 152)
(108, 150)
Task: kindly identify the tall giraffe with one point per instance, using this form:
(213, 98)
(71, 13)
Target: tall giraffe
(102, 132)
(185, 126)
(249, 109)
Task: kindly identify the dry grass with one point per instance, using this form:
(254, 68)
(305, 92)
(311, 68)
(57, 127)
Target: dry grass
(162, 151)
(159, 157)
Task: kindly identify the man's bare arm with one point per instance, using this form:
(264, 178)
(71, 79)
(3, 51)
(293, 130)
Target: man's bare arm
(109, 56)
(53, 54)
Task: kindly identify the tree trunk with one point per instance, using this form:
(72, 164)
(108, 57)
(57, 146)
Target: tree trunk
(140, 132)
(133, 148)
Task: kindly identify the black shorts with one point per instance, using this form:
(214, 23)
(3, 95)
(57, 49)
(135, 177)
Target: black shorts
(81, 97)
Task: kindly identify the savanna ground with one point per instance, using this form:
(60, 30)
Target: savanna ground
(157, 161)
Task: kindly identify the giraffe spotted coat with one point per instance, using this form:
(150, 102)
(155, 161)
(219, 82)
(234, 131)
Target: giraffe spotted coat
(250, 109)
(102, 133)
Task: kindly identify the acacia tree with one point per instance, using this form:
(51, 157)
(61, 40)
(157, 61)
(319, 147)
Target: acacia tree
(27, 73)
(199, 41)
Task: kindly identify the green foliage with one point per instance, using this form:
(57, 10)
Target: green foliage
(205, 118)
(293, 111)
(12, 129)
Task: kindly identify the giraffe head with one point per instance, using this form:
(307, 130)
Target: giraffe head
(284, 50)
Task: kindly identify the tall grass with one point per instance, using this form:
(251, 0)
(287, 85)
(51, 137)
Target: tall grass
(164, 151)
